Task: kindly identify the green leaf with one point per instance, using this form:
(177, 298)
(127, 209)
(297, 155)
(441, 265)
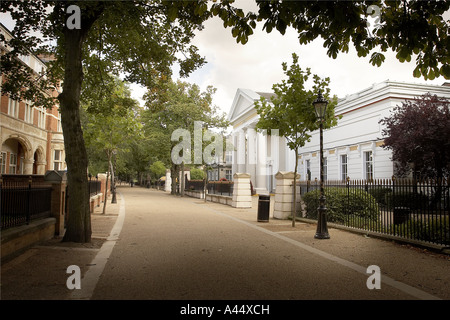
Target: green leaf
(445, 71)
(416, 72)
(172, 13)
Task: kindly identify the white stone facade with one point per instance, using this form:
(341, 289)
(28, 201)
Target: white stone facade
(352, 149)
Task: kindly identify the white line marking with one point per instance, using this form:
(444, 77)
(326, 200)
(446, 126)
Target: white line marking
(92, 275)
(389, 281)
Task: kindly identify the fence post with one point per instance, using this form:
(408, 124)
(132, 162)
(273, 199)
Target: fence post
(284, 195)
(59, 199)
(242, 197)
(29, 201)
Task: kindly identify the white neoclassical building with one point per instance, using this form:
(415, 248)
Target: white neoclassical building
(256, 153)
(352, 149)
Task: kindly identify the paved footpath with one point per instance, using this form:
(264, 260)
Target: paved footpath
(152, 245)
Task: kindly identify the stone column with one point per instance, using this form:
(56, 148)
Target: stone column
(40, 167)
(58, 202)
(241, 152)
(168, 184)
(242, 197)
(234, 163)
(28, 166)
(251, 154)
(284, 197)
(261, 164)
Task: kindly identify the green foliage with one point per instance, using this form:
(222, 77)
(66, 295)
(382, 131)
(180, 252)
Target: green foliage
(379, 194)
(408, 28)
(157, 169)
(343, 204)
(433, 229)
(291, 110)
(197, 174)
(407, 199)
(177, 105)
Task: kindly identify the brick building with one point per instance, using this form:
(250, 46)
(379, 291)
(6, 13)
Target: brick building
(31, 136)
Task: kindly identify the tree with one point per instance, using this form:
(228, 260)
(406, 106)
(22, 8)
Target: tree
(158, 169)
(291, 110)
(110, 123)
(178, 105)
(142, 46)
(408, 28)
(197, 174)
(418, 133)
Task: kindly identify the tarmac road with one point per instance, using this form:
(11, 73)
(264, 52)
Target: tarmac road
(165, 247)
(183, 248)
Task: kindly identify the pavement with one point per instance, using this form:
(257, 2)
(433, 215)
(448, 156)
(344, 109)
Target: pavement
(155, 246)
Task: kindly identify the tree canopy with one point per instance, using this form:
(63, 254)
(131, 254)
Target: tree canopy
(410, 29)
(142, 47)
(418, 133)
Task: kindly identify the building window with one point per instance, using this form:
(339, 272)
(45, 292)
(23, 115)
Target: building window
(41, 118)
(344, 167)
(325, 168)
(58, 123)
(12, 163)
(13, 108)
(28, 112)
(368, 165)
(229, 174)
(3, 162)
(57, 162)
(228, 157)
(308, 170)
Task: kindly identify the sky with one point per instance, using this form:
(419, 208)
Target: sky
(257, 64)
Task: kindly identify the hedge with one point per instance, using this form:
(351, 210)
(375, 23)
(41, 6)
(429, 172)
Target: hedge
(342, 204)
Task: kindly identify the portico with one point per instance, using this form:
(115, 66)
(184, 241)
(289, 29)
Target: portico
(256, 153)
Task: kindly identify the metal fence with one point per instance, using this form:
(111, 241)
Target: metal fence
(194, 185)
(410, 209)
(224, 188)
(95, 187)
(22, 201)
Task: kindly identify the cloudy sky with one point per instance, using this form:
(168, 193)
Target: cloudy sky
(257, 64)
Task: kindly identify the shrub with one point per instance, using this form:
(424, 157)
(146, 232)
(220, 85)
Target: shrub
(197, 174)
(342, 204)
(380, 194)
(435, 230)
(407, 199)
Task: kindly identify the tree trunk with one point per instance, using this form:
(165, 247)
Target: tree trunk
(106, 193)
(294, 212)
(106, 183)
(182, 182)
(113, 180)
(79, 220)
(174, 174)
(205, 181)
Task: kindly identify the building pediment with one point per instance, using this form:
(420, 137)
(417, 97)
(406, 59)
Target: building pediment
(243, 104)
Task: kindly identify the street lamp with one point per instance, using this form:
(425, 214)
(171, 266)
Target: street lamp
(320, 107)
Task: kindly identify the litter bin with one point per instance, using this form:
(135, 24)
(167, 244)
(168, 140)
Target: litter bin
(263, 208)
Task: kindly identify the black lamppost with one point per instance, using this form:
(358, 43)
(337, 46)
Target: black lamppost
(320, 106)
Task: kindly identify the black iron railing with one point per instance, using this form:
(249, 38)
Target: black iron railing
(22, 201)
(194, 185)
(224, 188)
(411, 209)
(95, 187)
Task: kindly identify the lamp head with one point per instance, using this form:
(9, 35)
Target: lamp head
(320, 106)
